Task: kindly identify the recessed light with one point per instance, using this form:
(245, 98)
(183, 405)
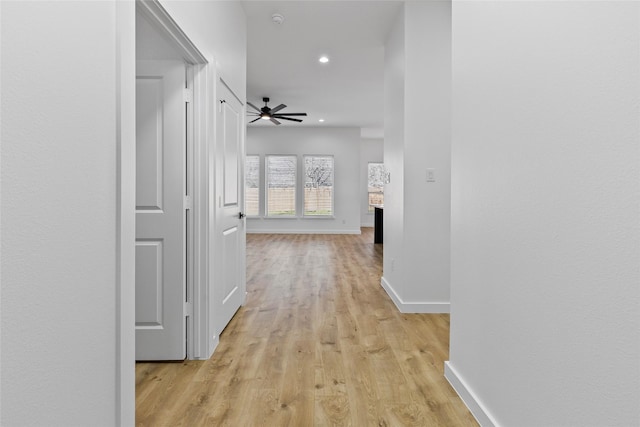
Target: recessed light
(321, 120)
(323, 59)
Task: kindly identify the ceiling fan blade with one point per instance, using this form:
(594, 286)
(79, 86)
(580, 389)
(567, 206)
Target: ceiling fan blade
(287, 118)
(291, 114)
(274, 121)
(254, 107)
(278, 108)
(255, 120)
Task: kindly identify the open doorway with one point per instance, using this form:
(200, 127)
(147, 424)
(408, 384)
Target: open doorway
(169, 71)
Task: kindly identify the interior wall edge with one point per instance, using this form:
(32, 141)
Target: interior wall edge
(477, 408)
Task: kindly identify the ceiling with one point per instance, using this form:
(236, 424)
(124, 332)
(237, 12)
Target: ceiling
(282, 60)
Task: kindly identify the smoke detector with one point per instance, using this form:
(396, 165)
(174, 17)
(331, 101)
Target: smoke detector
(277, 18)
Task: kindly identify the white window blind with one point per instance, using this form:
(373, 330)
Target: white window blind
(318, 185)
(252, 185)
(281, 185)
(375, 174)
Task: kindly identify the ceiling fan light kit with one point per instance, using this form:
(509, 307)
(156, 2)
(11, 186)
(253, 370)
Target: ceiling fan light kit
(266, 113)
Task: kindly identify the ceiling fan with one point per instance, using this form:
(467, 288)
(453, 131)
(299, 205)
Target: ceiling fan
(272, 114)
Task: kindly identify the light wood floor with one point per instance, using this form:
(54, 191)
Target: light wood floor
(318, 343)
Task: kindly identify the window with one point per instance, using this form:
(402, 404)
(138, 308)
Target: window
(252, 186)
(375, 174)
(281, 185)
(318, 185)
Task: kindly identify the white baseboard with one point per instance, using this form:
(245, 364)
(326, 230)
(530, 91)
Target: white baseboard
(213, 344)
(469, 398)
(414, 307)
(268, 231)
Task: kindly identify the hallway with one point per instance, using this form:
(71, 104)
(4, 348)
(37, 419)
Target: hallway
(317, 343)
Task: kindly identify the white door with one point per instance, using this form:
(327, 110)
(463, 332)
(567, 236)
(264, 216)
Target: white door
(160, 210)
(230, 229)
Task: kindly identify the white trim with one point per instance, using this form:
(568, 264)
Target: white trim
(478, 410)
(210, 337)
(125, 213)
(163, 22)
(198, 331)
(267, 231)
(192, 240)
(414, 307)
(232, 92)
(211, 347)
(198, 345)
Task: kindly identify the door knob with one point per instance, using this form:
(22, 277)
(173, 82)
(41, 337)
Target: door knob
(241, 215)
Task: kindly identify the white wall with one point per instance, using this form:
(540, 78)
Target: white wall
(546, 196)
(343, 144)
(61, 351)
(58, 214)
(218, 29)
(427, 140)
(394, 72)
(417, 137)
(371, 151)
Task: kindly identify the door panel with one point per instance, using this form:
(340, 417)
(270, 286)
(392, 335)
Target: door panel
(160, 211)
(149, 294)
(230, 229)
(149, 150)
(230, 256)
(231, 138)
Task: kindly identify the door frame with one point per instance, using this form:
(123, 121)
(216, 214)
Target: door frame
(197, 144)
(200, 340)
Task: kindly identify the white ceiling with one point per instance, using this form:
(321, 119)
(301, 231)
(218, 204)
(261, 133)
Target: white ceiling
(282, 60)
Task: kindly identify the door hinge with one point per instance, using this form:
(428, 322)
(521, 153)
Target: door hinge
(188, 95)
(188, 309)
(188, 203)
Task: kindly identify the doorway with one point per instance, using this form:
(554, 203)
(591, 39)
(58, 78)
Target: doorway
(169, 96)
(202, 330)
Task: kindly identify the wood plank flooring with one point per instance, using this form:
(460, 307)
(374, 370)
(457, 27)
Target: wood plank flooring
(318, 343)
